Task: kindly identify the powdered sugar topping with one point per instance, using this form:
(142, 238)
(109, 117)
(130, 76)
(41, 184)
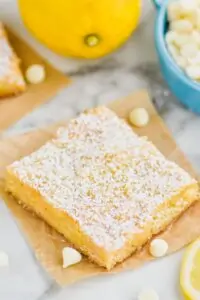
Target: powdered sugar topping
(8, 70)
(5, 54)
(103, 175)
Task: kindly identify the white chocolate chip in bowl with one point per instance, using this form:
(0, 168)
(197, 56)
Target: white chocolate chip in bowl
(139, 117)
(182, 62)
(189, 50)
(183, 39)
(195, 37)
(194, 61)
(70, 257)
(181, 26)
(174, 51)
(193, 71)
(35, 74)
(188, 5)
(171, 37)
(174, 10)
(198, 20)
(158, 248)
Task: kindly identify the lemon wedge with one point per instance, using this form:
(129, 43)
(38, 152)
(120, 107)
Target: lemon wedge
(190, 272)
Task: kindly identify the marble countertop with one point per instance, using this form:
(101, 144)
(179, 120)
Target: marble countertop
(133, 66)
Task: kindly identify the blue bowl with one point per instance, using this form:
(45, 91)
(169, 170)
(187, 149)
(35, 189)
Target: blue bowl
(186, 90)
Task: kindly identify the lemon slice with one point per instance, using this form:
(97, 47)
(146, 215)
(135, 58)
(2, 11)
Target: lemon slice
(190, 272)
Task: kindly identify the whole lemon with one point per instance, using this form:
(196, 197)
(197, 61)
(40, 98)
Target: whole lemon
(81, 28)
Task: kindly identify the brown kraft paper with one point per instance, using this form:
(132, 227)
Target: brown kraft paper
(47, 244)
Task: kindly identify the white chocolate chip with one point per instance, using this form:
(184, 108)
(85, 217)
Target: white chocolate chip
(188, 5)
(182, 62)
(139, 117)
(181, 26)
(183, 39)
(189, 50)
(173, 51)
(189, 11)
(194, 61)
(70, 257)
(35, 74)
(158, 248)
(171, 37)
(4, 261)
(196, 36)
(148, 294)
(193, 71)
(198, 19)
(174, 11)
(193, 18)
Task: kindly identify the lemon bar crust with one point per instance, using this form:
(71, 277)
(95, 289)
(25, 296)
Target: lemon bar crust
(103, 187)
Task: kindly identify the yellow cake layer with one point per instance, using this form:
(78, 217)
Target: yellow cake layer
(71, 230)
(105, 189)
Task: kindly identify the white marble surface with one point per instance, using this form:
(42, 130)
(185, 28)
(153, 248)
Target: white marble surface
(132, 67)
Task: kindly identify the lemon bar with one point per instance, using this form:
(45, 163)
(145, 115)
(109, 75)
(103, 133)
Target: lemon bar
(11, 78)
(104, 188)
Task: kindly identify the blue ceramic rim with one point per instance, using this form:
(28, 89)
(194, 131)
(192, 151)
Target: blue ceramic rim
(159, 29)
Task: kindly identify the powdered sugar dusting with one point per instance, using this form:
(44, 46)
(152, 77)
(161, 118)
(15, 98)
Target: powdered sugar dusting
(103, 175)
(8, 61)
(4, 58)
